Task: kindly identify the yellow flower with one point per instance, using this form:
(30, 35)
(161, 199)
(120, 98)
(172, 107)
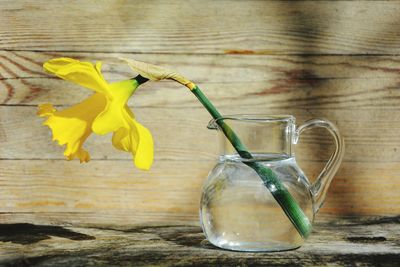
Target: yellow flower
(104, 112)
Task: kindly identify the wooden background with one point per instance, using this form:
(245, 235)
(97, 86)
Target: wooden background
(338, 60)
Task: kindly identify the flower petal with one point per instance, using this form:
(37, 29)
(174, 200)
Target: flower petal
(83, 73)
(109, 120)
(112, 117)
(72, 126)
(137, 139)
(54, 65)
(144, 152)
(122, 140)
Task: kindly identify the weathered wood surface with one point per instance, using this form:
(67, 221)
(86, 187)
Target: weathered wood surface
(148, 196)
(266, 27)
(28, 139)
(363, 241)
(338, 60)
(286, 82)
(358, 93)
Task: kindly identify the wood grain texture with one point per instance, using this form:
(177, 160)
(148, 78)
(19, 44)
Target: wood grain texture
(338, 60)
(370, 241)
(304, 27)
(368, 139)
(171, 190)
(325, 82)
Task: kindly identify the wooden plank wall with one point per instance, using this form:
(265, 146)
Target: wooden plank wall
(338, 60)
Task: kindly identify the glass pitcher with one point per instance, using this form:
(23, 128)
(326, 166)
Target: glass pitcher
(238, 211)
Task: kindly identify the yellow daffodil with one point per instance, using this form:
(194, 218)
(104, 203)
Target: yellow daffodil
(103, 112)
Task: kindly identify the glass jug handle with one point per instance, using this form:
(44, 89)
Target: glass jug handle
(320, 186)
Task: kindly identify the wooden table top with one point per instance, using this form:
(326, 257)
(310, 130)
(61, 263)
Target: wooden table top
(351, 241)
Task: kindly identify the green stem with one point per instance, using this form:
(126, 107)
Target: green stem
(271, 181)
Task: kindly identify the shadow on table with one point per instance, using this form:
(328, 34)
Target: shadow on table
(183, 235)
(26, 233)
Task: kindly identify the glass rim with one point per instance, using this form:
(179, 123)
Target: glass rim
(213, 124)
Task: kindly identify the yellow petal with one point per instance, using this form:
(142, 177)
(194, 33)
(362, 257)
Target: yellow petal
(122, 140)
(83, 73)
(109, 120)
(72, 126)
(112, 117)
(46, 110)
(136, 139)
(54, 65)
(144, 152)
(81, 154)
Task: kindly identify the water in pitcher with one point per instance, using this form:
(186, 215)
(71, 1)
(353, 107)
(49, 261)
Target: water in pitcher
(239, 213)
